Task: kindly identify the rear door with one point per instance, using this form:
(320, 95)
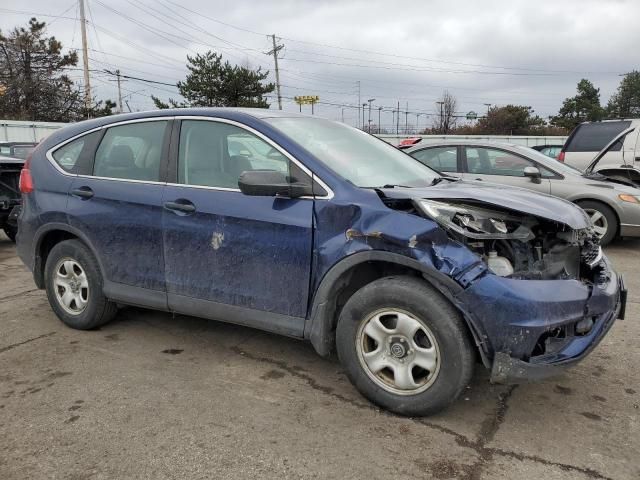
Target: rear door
(501, 166)
(230, 256)
(443, 159)
(118, 206)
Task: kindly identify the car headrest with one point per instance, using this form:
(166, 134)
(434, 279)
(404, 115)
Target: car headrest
(121, 156)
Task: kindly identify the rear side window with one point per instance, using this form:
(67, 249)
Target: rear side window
(593, 137)
(132, 151)
(76, 156)
(442, 159)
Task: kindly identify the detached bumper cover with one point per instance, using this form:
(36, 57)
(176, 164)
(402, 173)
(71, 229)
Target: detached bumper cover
(507, 369)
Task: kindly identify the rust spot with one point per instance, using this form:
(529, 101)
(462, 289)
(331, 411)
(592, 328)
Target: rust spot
(353, 233)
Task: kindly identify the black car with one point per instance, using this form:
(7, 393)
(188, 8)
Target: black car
(9, 194)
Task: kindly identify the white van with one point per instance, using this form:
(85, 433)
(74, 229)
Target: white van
(621, 162)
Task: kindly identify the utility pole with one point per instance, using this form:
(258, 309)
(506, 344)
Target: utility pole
(342, 116)
(406, 120)
(369, 101)
(488, 105)
(364, 105)
(398, 120)
(441, 117)
(119, 93)
(276, 49)
(379, 112)
(359, 100)
(85, 58)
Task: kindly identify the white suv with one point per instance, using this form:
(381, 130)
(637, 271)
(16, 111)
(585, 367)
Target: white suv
(621, 161)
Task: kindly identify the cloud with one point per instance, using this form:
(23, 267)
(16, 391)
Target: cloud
(497, 52)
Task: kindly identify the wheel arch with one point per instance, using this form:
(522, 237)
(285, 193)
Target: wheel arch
(357, 270)
(49, 236)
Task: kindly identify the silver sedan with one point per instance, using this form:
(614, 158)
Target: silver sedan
(614, 208)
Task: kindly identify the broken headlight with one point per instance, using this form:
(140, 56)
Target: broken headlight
(476, 222)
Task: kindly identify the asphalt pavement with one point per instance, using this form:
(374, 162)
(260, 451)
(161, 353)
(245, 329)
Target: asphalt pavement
(155, 396)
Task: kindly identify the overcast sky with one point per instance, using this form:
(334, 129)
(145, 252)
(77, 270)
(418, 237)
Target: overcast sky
(490, 51)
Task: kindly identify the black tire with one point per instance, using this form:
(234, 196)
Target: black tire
(416, 297)
(99, 310)
(608, 214)
(11, 232)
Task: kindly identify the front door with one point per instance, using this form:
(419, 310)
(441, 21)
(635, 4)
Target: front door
(230, 256)
(503, 167)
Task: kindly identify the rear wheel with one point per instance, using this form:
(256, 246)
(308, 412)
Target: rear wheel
(11, 232)
(404, 346)
(74, 286)
(604, 219)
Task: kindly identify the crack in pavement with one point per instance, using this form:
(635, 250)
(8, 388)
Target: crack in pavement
(17, 295)
(12, 346)
(488, 429)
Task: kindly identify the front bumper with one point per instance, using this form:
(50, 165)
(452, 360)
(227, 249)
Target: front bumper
(527, 329)
(509, 370)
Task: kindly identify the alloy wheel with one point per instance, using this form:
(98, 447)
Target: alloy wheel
(71, 286)
(600, 224)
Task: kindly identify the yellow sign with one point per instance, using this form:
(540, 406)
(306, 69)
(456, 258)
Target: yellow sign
(306, 99)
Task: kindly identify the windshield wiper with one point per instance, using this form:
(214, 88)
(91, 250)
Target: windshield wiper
(391, 185)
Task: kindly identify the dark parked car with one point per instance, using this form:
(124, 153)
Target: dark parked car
(9, 194)
(17, 149)
(316, 230)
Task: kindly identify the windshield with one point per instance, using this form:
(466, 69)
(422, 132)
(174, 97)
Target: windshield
(355, 155)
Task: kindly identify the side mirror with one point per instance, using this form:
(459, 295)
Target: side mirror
(271, 183)
(533, 173)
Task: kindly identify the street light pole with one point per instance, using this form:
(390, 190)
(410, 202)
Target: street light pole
(441, 119)
(369, 101)
(364, 105)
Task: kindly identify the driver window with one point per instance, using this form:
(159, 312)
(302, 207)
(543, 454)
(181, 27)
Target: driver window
(215, 154)
(490, 161)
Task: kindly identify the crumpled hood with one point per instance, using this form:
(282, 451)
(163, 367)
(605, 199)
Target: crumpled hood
(512, 198)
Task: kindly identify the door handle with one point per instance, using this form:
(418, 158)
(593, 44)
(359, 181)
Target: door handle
(479, 179)
(183, 206)
(82, 192)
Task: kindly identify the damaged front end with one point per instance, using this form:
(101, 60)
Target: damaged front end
(552, 295)
(519, 245)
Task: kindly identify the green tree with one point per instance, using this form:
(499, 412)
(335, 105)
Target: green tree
(510, 120)
(625, 103)
(35, 85)
(211, 83)
(585, 106)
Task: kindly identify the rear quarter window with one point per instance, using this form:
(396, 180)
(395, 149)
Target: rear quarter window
(76, 156)
(593, 137)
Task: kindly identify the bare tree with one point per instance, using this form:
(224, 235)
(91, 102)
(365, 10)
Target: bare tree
(445, 119)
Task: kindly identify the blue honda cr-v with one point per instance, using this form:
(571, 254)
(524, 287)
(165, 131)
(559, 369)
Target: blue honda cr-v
(315, 230)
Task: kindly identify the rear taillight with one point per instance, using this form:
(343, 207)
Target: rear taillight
(561, 156)
(26, 181)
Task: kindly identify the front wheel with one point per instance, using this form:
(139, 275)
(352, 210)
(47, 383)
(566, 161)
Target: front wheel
(404, 346)
(605, 222)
